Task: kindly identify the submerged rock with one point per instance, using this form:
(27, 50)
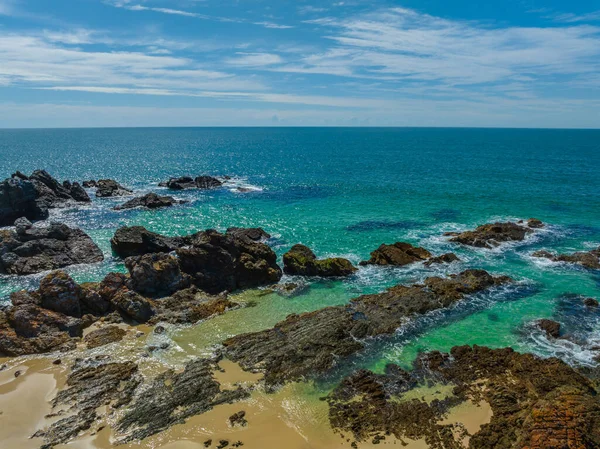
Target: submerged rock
(31, 250)
(186, 182)
(551, 328)
(493, 235)
(32, 196)
(312, 343)
(300, 260)
(172, 397)
(587, 259)
(444, 258)
(150, 201)
(397, 254)
(253, 234)
(110, 188)
(536, 403)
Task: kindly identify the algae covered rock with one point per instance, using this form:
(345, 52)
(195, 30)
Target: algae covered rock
(300, 260)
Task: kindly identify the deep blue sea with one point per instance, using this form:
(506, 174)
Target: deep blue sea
(344, 191)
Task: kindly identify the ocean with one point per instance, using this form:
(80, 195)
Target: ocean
(343, 192)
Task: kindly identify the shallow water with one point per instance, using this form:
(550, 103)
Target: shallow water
(344, 192)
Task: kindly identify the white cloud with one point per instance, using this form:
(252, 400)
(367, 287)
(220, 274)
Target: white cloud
(254, 59)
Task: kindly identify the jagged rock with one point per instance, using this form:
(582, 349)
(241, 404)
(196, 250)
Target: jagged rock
(77, 192)
(312, 343)
(104, 336)
(300, 260)
(551, 328)
(238, 419)
(536, 403)
(156, 274)
(172, 397)
(397, 254)
(534, 223)
(190, 306)
(40, 249)
(19, 198)
(493, 235)
(444, 258)
(133, 305)
(587, 259)
(90, 184)
(137, 241)
(60, 293)
(221, 262)
(186, 182)
(109, 188)
(150, 201)
(91, 391)
(22, 225)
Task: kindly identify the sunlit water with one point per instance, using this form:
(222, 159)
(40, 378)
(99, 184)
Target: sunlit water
(344, 192)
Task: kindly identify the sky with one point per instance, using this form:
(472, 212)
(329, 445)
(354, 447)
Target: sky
(105, 63)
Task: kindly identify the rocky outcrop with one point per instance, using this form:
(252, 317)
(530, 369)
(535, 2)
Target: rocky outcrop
(312, 343)
(150, 201)
(137, 241)
(191, 392)
(33, 249)
(216, 262)
(109, 188)
(551, 328)
(253, 234)
(300, 260)
(493, 235)
(397, 254)
(156, 274)
(587, 259)
(444, 258)
(93, 391)
(536, 403)
(186, 182)
(31, 196)
(104, 336)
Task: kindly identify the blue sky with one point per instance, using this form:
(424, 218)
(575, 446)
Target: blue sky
(514, 63)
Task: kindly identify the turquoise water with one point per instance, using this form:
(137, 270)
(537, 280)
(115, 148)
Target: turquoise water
(344, 192)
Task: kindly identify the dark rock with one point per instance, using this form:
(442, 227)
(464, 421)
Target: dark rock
(587, 259)
(60, 293)
(493, 235)
(208, 443)
(150, 201)
(77, 192)
(300, 260)
(186, 182)
(397, 254)
(137, 241)
(19, 198)
(535, 223)
(40, 249)
(253, 234)
(312, 343)
(159, 330)
(90, 390)
(110, 188)
(238, 419)
(133, 305)
(104, 336)
(223, 444)
(591, 302)
(22, 225)
(156, 274)
(57, 362)
(551, 328)
(444, 258)
(172, 397)
(90, 184)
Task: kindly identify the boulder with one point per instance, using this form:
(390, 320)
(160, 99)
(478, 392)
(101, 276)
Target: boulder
(300, 260)
(137, 240)
(104, 336)
(493, 235)
(77, 192)
(551, 328)
(109, 188)
(19, 198)
(444, 258)
(150, 201)
(90, 184)
(397, 254)
(36, 249)
(60, 293)
(133, 305)
(253, 234)
(186, 182)
(156, 274)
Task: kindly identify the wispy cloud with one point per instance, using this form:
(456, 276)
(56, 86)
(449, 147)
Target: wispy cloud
(575, 18)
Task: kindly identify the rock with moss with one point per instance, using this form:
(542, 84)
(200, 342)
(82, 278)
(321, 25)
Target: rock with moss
(586, 259)
(493, 235)
(104, 336)
(397, 254)
(300, 260)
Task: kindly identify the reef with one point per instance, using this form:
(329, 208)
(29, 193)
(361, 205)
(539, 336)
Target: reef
(493, 235)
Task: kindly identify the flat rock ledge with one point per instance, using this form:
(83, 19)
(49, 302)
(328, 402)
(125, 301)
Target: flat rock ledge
(33, 249)
(401, 253)
(494, 234)
(536, 403)
(312, 343)
(150, 201)
(187, 182)
(300, 260)
(32, 196)
(586, 259)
